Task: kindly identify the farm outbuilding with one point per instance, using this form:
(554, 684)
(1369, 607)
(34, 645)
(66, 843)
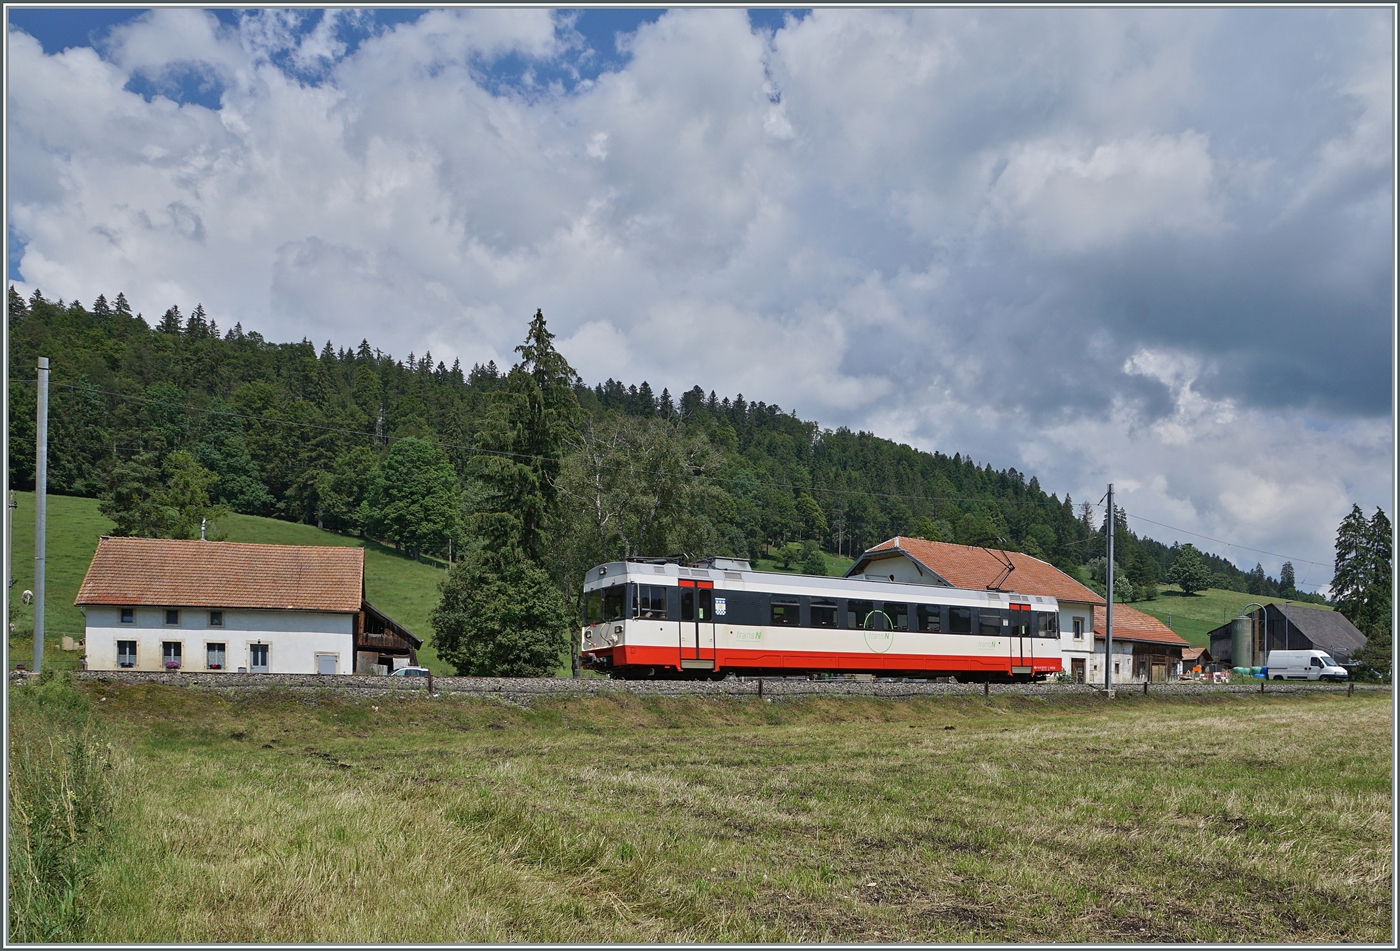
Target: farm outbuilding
(1290, 627)
(170, 604)
(1144, 649)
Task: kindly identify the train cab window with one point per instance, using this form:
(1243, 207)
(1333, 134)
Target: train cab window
(1047, 624)
(857, 612)
(650, 602)
(614, 602)
(784, 610)
(960, 620)
(930, 618)
(823, 613)
(898, 615)
(989, 622)
(593, 607)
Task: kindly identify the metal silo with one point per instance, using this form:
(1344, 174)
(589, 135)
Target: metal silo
(1242, 641)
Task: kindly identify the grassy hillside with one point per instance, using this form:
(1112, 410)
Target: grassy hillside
(1195, 616)
(406, 590)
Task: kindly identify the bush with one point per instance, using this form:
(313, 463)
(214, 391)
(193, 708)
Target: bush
(64, 787)
(500, 616)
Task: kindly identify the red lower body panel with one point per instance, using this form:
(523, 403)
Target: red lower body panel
(842, 661)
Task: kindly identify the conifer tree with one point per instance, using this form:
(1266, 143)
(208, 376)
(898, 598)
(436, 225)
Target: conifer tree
(171, 322)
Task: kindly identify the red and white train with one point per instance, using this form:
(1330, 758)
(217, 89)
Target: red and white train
(664, 619)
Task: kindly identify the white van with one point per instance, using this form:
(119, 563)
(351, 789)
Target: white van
(1304, 665)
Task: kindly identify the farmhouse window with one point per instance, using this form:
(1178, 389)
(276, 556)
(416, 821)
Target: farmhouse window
(128, 615)
(170, 654)
(823, 613)
(126, 653)
(216, 619)
(172, 616)
(214, 656)
(1079, 629)
(784, 611)
(960, 620)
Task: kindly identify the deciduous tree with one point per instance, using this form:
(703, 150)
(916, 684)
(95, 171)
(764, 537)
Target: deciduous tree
(1188, 570)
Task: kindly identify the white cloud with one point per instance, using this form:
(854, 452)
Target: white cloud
(919, 222)
(1079, 199)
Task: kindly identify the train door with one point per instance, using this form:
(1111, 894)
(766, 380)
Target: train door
(697, 625)
(1022, 640)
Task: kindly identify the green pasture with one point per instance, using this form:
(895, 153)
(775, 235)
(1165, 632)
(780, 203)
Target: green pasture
(279, 818)
(1194, 616)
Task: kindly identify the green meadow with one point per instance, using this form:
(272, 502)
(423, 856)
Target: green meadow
(1194, 616)
(280, 817)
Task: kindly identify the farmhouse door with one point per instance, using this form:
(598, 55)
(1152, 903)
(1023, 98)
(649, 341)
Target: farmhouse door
(1076, 670)
(257, 658)
(698, 624)
(1022, 640)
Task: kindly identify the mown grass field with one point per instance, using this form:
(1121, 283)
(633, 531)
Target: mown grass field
(280, 818)
(1194, 616)
(405, 589)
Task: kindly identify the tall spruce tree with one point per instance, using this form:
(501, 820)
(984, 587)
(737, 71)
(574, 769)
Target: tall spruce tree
(534, 415)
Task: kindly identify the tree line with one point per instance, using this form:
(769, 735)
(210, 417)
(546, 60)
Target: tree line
(179, 422)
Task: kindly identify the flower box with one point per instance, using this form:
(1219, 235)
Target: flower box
(172, 665)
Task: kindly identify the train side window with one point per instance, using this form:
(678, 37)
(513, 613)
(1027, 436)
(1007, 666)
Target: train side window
(593, 607)
(898, 615)
(857, 612)
(823, 613)
(651, 602)
(1046, 624)
(784, 611)
(930, 618)
(687, 604)
(989, 622)
(614, 602)
(960, 620)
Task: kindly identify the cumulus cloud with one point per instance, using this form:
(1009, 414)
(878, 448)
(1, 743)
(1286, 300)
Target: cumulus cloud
(1147, 246)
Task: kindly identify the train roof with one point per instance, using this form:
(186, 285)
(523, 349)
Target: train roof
(778, 582)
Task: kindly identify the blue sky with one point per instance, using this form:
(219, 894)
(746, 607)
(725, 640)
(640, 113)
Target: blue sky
(597, 52)
(1151, 246)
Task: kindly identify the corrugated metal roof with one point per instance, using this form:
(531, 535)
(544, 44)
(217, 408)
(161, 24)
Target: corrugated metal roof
(964, 566)
(197, 574)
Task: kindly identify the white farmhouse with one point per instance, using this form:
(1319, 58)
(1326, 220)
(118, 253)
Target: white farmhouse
(162, 604)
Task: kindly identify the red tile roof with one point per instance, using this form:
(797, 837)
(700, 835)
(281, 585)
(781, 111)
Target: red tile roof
(197, 574)
(964, 566)
(1130, 624)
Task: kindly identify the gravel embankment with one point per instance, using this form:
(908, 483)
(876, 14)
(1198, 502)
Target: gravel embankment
(524, 690)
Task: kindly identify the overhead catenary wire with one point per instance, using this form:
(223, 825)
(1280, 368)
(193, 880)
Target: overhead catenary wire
(207, 411)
